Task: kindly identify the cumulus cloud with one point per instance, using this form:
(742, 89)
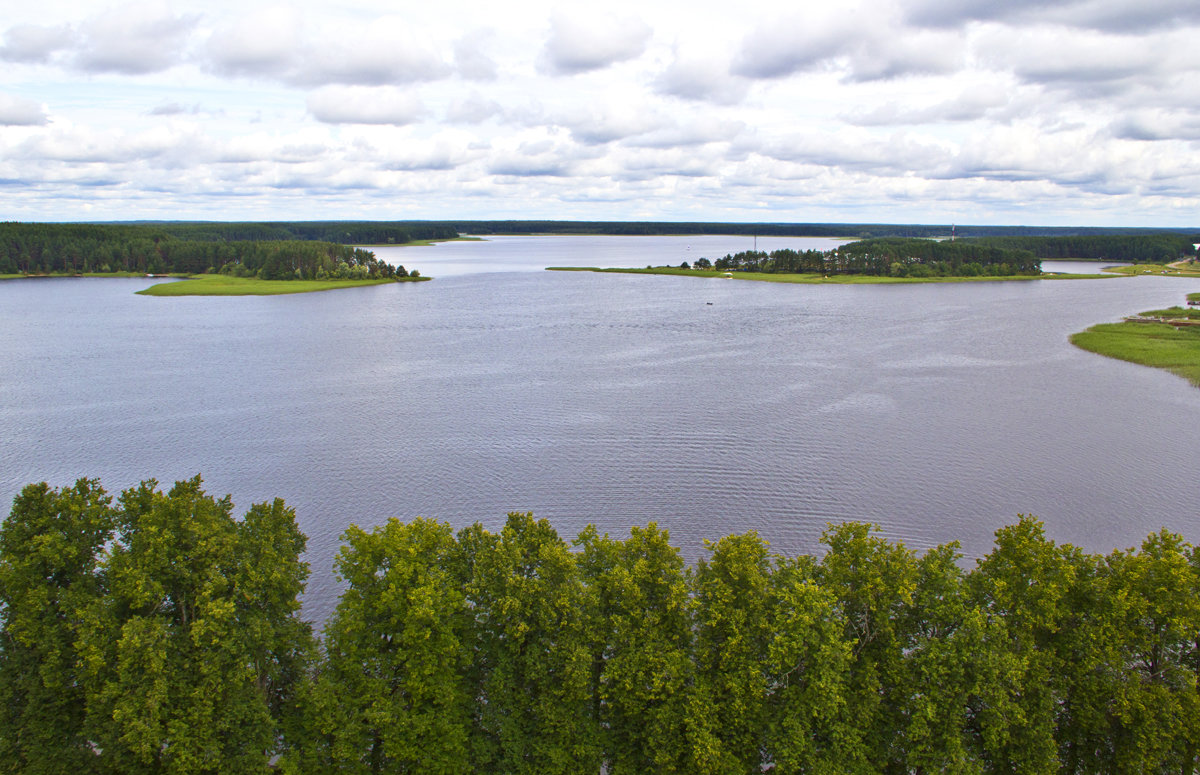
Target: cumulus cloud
(535, 156)
(703, 77)
(866, 44)
(364, 105)
(274, 44)
(439, 155)
(133, 39)
(471, 59)
(690, 133)
(472, 109)
(1051, 55)
(783, 47)
(971, 105)
(1118, 16)
(858, 151)
(611, 123)
(34, 43)
(1157, 126)
(579, 43)
(264, 43)
(18, 111)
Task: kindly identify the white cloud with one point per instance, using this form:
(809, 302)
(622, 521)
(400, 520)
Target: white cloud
(702, 76)
(471, 59)
(133, 39)
(18, 111)
(971, 104)
(35, 43)
(1120, 16)
(863, 42)
(472, 109)
(265, 43)
(276, 44)
(582, 42)
(364, 105)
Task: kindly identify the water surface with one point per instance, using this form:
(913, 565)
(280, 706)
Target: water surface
(711, 406)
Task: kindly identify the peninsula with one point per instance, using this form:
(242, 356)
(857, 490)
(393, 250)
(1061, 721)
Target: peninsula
(1165, 339)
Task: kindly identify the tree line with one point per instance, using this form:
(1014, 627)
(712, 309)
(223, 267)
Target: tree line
(888, 257)
(1157, 248)
(340, 232)
(159, 634)
(93, 248)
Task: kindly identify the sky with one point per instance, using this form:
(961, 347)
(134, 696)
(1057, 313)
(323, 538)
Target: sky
(1057, 113)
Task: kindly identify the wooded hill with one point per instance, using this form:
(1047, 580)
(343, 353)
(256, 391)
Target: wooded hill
(160, 634)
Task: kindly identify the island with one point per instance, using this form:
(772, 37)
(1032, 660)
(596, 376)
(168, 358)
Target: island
(921, 259)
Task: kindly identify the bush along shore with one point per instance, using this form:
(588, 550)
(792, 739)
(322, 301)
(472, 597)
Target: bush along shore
(1163, 338)
(158, 633)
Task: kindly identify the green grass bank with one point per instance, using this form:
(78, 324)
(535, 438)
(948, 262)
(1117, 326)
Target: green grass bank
(816, 279)
(225, 285)
(1171, 342)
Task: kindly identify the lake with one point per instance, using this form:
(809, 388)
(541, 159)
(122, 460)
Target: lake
(711, 406)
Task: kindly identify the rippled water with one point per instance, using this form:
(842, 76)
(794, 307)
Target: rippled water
(939, 412)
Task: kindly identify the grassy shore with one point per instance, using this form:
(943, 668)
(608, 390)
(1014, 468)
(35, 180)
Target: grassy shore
(1178, 269)
(812, 279)
(1161, 345)
(224, 285)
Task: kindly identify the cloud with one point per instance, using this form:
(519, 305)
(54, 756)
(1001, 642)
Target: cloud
(376, 59)
(364, 105)
(471, 60)
(900, 53)
(167, 109)
(541, 155)
(690, 133)
(473, 109)
(265, 43)
(971, 105)
(865, 44)
(18, 111)
(581, 43)
(133, 40)
(428, 157)
(35, 44)
(856, 151)
(1051, 55)
(1153, 126)
(783, 47)
(701, 77)
(1117, 16)
(609, 123)
(274, 44)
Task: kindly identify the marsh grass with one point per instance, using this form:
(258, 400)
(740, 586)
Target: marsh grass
(225, 285)
(1159, 345)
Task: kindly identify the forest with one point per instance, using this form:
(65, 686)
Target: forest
(1160, 248)
(158, 633)
(887, 257)
(92, 248)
